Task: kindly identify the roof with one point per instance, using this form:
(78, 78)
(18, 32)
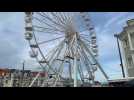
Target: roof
(42, 74)
(121, 80)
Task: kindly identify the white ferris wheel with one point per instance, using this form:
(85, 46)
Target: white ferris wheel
(64, 44)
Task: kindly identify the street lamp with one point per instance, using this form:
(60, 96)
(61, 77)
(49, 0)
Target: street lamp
(123, 73)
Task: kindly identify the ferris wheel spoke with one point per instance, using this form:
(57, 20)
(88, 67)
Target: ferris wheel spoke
(55, 54)
(53, 50)
(37, 58)
(84, 35)
(49, 32)
(85, 55)
(43, 29)
(39, 48)
(85, 39)
(91, 64)
(69, 56)
(59, 19)
(50, 68)
(49, 53)
(49, 25)
(79, 69)
(86, 61)
(45, 16)
(43, 42)
(80, 72)
(53, 61)
(58, 51)
(60, 70)
(59, 73)
(95, 61)
(70, 69)
(64, 17)
(42, 56)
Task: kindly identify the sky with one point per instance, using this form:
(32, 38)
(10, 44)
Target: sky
(14, 48)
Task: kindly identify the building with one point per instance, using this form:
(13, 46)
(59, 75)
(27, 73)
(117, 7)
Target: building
(127, 43)
(123, 82)
(4, 72)
(23, 78)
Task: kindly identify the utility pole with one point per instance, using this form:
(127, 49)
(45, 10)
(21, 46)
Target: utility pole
(22, 74)
(123, 73)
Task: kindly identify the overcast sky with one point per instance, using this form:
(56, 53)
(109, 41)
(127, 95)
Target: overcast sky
(14, 48)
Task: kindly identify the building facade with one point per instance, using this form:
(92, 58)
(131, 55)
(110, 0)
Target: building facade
(127, 43)
(19, 78)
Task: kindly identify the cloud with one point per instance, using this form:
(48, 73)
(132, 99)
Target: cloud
(114, 18)
(123, 20)
(11, 42)
(108, 51)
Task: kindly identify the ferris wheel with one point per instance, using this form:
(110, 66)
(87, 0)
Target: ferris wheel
(65, 46)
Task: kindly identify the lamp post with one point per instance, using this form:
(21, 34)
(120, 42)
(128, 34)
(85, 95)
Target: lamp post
(123, 73)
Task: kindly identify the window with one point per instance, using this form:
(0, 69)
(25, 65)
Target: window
(6, 81)
(130, 62)
(125, 42)
(132, 39)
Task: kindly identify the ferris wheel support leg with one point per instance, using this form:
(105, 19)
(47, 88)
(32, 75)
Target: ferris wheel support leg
(75, 63)
(70, 70)
(34, 79)
(75, 72)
